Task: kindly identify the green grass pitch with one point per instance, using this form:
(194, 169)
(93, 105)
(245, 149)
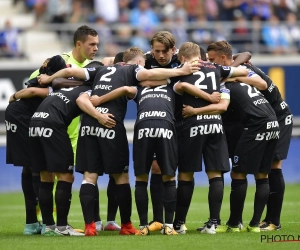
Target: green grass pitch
(12, 218)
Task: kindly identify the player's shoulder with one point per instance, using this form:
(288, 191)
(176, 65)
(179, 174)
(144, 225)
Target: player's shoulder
(66, 56)
(174, 61)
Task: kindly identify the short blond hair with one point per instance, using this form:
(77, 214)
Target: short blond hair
(132, 53)
(189, 50)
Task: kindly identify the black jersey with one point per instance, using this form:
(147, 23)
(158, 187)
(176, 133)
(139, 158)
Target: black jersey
(59, 107)
(208, 79)
(155, 103)
(152, 63)
(106, 79)
(250, 105)
(272, 93)
(26, 105)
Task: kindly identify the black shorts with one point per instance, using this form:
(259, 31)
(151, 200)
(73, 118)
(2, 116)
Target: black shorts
(233, 132)
(199, 139)
(50, 148)
(254, 156)
(155, 137)
(102, 150)
(17, 139)
(286, 126)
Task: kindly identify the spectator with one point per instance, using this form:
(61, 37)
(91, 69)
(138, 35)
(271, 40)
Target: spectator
(257, 8)
(212, 10)
(220, 32)
(144, 17)
(283, 7)
(40, 7)
(276, 37)
(175, 18)
(123, 35)
(9, 41)
(293, 30)
(193, 7)
(201, 35)
(108, 10)
(138, 39)
(124, 11)
(59, 10)
(241, 34)
(80, 12)
(106, 35)
(227, 8)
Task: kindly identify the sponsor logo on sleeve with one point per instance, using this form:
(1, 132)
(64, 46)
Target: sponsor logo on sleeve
(226, 67)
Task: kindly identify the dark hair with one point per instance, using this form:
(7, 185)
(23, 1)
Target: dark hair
(52, 65)
(94, 64)
(49, 67)
(82, 33)
(203, 54)
(221, 47)
(164, 37)
(119, 57)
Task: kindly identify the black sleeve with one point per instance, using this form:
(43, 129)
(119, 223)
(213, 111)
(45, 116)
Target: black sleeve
(225, 71)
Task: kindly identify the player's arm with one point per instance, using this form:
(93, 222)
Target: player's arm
(130, 92)
(161, 73)
(84, 103)
(59, 83)
(238, 71)
(255, 81)
(241, 58)
(212, 109)
(63, 73)
(181, 87)
(29, 93)
(252, 79)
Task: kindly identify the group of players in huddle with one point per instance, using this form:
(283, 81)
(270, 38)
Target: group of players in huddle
(192, 107)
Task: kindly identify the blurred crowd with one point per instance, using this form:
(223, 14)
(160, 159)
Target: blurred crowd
(270, 25)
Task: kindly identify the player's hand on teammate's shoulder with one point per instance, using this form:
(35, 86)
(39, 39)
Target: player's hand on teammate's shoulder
(43, 79)
(215, 97)
(187, 111)
(106, 120)
(189, 68)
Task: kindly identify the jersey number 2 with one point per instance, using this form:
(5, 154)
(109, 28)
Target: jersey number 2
(105, 77)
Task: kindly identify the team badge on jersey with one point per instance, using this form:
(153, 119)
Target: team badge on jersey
(91, 69)
(226, 67)
(224, 90)
(251, 73)
(235, 159)
(174, 65)
(139, 68)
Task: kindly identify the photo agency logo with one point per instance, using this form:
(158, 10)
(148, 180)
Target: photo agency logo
(279, 238)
